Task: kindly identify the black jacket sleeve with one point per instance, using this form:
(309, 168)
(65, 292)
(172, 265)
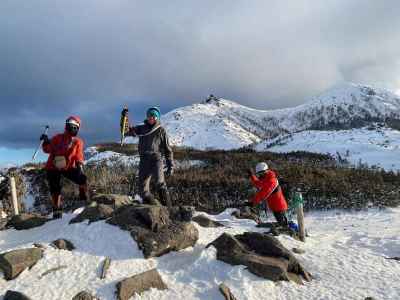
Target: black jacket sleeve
(166, 148)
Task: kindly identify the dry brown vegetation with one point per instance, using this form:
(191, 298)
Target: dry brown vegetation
(223, 182)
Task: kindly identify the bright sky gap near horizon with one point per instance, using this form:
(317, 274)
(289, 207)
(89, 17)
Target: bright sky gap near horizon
(90, 58)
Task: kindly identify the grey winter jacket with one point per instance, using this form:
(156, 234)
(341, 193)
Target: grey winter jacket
(153, 141)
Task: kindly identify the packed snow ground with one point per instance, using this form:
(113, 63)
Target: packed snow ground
(345, 252)
(377, 147)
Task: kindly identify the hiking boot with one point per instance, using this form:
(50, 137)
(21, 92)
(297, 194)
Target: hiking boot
(83, 193)
(165, 198)
(57, 214)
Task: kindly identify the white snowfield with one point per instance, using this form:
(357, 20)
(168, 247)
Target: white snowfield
(377, 147)
(345, 252)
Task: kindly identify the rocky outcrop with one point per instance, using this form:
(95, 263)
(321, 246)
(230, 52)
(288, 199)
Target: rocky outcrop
(153, 230)
(203, 221)
(94, 213)
(26, 221)
(137, 284)
(264, 256)
(12, 263)
(115, 200)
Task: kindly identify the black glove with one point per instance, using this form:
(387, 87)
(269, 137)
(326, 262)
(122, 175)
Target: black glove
(248, 203)
(79, 167)
(45, 139)
(250, 172)
(170, 171)
(124, 112)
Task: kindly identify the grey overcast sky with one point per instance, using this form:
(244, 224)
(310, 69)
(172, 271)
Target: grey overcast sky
(91, 57)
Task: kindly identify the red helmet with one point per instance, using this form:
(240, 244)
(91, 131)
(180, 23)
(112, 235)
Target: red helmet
(75, 120)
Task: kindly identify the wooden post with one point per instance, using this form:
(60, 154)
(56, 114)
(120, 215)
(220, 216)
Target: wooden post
(300, 220)
(14, 196)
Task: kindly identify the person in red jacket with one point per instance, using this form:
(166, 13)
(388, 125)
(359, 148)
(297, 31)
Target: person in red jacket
(270, 191)
(65, 159)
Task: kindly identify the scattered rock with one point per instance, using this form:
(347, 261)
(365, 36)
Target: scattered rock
(394, 258)
(204, 221)
(298, 250)
(369, 298)
(153, 230)
(14, 262)
(137, 284)
(115, 200)
(264, 256)
(94, 213)
(226, 292)
(63, 244)
(246, 213)
(26, 221)
(13, 295)
(84, 296)
(3, 223)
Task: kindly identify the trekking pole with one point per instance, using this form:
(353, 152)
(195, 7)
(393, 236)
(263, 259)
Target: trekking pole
(123, 123)
(41, 143)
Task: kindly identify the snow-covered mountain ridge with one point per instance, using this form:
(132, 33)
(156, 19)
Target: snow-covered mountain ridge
(224, 124)
(371, 145)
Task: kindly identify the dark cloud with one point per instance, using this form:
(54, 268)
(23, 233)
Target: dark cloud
(91, 57)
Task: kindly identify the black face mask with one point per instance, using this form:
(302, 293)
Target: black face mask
(72, 129)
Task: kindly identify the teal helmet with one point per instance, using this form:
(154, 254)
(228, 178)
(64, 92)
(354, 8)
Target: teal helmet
(154, 111)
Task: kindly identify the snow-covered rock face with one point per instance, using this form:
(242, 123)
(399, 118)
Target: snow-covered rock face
(223, 124)
(373, 146)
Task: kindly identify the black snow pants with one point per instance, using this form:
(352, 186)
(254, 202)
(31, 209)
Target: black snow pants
(152, 166)
(54, 179)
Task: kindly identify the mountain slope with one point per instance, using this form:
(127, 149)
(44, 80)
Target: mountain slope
(224, 124)
(374, 146)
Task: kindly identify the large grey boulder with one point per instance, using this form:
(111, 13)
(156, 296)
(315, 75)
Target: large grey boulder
(174, 237)
(203, 221)
(137, 284)
(263, 254)
(115, 200)
(26, 221)
(151, 217)
(153, 230)
(14, 295)
(94, 213)
(14, 262)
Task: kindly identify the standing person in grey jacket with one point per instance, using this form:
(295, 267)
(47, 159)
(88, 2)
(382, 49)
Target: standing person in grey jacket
(153, 145)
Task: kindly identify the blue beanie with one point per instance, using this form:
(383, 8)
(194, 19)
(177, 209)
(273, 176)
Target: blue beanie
(153, 111)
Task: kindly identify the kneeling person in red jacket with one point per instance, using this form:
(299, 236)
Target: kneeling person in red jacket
(270, 191)
(65, 159)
